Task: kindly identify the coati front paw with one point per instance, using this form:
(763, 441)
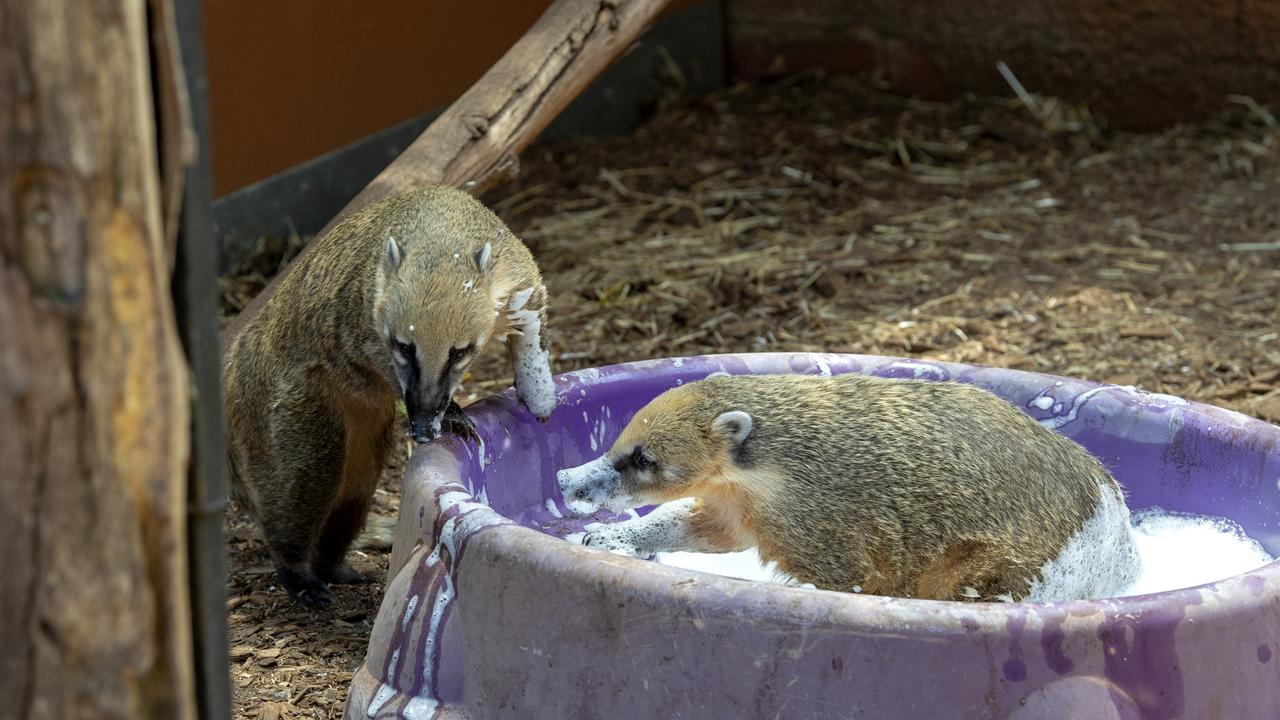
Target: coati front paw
(604, 539)
(534, 386)
(540, 403)
(305, 587)
(459, 423)
(318, 597)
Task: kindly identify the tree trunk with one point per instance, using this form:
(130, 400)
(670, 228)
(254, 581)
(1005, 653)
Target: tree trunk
(94, 393)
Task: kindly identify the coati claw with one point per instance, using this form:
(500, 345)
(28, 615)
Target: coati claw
(305, 587)
(318, 598)
(459, 422)
(602, 540)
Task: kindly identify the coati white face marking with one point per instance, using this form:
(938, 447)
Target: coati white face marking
(432, 333)
(669, 450)
(591, 486)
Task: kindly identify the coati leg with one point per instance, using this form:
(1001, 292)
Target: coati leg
(684, 525)
(369, 441)
(379, 533)
(531, 360)
(296, 491)
(345, 521)
(970, 570)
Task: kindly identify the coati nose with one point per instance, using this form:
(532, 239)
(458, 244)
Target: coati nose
(422, 432)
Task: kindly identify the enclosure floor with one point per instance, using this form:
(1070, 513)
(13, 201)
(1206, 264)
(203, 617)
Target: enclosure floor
(823, 214)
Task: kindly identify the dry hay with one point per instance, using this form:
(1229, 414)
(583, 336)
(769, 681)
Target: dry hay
(822, 213)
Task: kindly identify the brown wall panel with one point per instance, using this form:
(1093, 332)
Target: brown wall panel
(292, 79)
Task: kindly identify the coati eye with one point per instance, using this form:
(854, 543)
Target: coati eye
(460, 356)
(402, 350)
(640, 460)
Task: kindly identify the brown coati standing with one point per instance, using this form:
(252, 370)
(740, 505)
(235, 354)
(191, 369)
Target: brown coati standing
(893, 487)
(393, 303)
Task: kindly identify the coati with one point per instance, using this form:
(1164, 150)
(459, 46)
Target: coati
(905, 488)
(393, 303)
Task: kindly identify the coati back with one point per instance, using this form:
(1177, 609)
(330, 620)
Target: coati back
(393, 303)
(893, 487)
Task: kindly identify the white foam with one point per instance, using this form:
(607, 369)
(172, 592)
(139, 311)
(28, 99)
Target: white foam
(420, 708)
(532, 363)
(380, 698)
(519, 299)
(1099, 560)
(1058, 421)
(409, 609)
(590, 486)
(551, 508)
(1176, 551)
(919, 370)
(1180, 551)
(747, 565)
(666, 527)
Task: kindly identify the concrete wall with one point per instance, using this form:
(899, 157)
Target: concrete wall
(1142, 63)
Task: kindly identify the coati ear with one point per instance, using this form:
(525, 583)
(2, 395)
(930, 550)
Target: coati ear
(735, 425)
(394, 255)
(482, 257)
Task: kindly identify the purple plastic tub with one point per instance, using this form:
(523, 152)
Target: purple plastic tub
(488, 615)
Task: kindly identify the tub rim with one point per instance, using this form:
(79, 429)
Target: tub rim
(1234, 589)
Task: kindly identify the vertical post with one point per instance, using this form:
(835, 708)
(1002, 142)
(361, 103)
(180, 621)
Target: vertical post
(195, 293)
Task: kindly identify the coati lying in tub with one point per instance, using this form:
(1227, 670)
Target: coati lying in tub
(906, 488)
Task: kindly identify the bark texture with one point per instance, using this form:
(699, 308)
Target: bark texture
(94, 392)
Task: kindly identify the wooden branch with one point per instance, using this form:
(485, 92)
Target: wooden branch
(475, 143)
(94, 393)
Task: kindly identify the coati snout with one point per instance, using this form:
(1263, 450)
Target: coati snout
(427, 396)
(593, 485)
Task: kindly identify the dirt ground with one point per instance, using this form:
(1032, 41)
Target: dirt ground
(821, 213)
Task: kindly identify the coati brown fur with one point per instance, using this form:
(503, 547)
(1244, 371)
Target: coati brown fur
(393, 303)
(892, 487)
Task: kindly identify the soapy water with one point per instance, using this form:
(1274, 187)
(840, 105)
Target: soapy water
(1177, 551)
(1180, 550)
(746, 565)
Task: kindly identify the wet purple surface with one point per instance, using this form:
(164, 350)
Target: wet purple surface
(496, 620)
